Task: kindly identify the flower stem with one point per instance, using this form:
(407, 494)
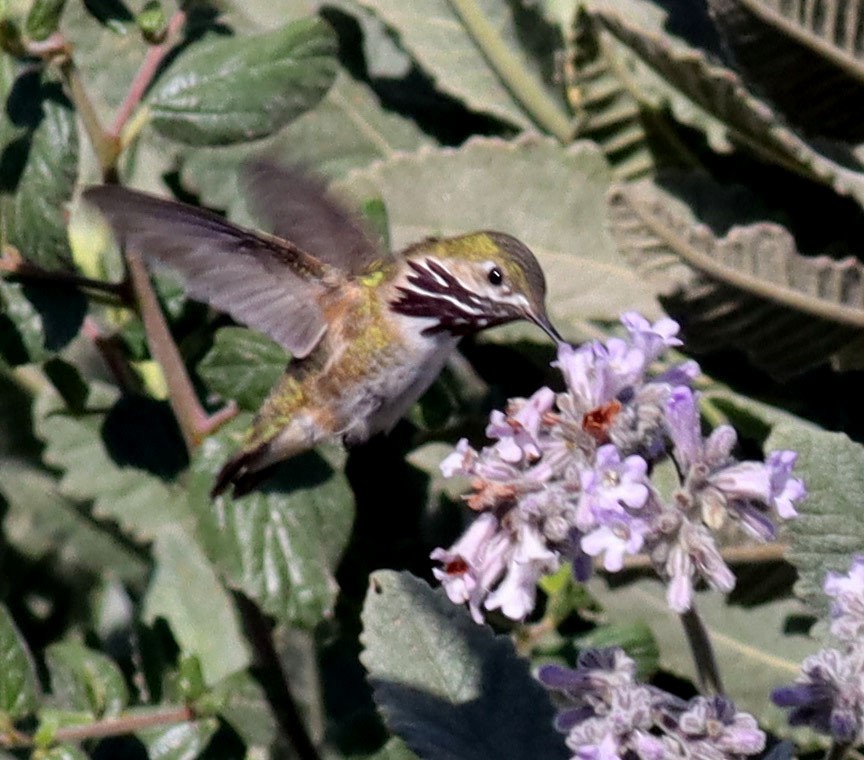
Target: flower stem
(115, 726)
(523, 85)
(703, 652)
(144, 76)
(194, 422)
(106, 147)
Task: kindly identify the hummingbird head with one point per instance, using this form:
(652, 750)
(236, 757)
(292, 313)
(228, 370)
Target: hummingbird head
(472, 282)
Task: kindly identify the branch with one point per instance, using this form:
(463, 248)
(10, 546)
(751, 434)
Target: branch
(115, 726)
(13, 264)
(145, 74)
(194, 422)
(750, 554)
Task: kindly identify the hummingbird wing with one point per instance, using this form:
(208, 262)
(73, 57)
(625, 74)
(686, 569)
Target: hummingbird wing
(266, 283)
(295, 205)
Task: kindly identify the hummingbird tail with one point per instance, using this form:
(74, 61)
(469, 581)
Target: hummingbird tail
(240, 473)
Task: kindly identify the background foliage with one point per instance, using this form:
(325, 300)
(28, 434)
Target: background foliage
(697, 160)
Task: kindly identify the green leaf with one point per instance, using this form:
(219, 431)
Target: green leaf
(102, 462)
(16, 420)
(348, 129)
(243, 365)
(41, 522)
(819, 58)
(185, 592)
(447, 686)
(750, 289)
(605, 110)
(83, 679)
(19, 689)
(246, 708)
(394, 749)
(551, 198)
(222, 91)
(755, 653)
(667, 74)
(44, 18)
(37, 321)
(636, 639)
(281, 544)
(67, 381)
(829, 530)
(184, 741)
(64, 752)
(34, 217)
(438, 37)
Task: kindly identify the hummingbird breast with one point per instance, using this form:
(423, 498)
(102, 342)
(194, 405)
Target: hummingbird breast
(367, 371)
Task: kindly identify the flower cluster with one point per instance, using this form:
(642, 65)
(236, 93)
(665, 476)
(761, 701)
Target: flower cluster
(607, 714)
(829, 694)
(568, 478)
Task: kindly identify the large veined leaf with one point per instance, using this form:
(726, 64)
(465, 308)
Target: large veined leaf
(466, 45)
(37, 320)
(606, 111)
(40, 169)
(41, 522)
(139, 500)
(753, 657)
(786, 49)
(280, 544)
(709, 97)
(84, 679)
(447, 686)
(39, 147)
(830, 528)
(231, 90)
(185, 591)
(243, 365)
(183, 741)
(19, 689)
(750, 289)
(347, 130)
(552, 198)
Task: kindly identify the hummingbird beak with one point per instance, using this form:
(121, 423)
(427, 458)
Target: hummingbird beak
(542, 321)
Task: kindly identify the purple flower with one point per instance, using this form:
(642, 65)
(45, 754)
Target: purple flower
(610, 487)
(847, 612)
(785, 489)
(829, 695)
(566, 478)
(604, 709)
(715, 724)
(654, 339)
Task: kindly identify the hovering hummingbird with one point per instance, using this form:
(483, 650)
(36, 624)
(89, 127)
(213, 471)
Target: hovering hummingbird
(368, 330)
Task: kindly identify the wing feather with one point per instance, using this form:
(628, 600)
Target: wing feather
(295, 205)
(266, 283)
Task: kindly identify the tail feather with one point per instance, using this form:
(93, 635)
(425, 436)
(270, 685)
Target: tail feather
(240, 473)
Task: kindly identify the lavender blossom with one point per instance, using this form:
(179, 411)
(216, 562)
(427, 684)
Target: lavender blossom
(567, 477)
(829, 694)
(847, 612)
(605, 712)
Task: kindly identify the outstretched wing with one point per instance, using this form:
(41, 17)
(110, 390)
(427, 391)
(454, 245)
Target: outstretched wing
(296, 206)
(266, 283)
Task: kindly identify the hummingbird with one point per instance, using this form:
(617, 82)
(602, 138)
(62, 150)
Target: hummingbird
(368, 330)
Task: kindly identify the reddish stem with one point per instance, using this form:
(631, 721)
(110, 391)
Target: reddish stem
(144, 76)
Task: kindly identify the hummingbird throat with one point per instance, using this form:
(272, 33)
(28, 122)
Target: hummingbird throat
(432, 291)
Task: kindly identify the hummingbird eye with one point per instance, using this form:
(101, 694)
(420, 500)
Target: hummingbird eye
(495, 276)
